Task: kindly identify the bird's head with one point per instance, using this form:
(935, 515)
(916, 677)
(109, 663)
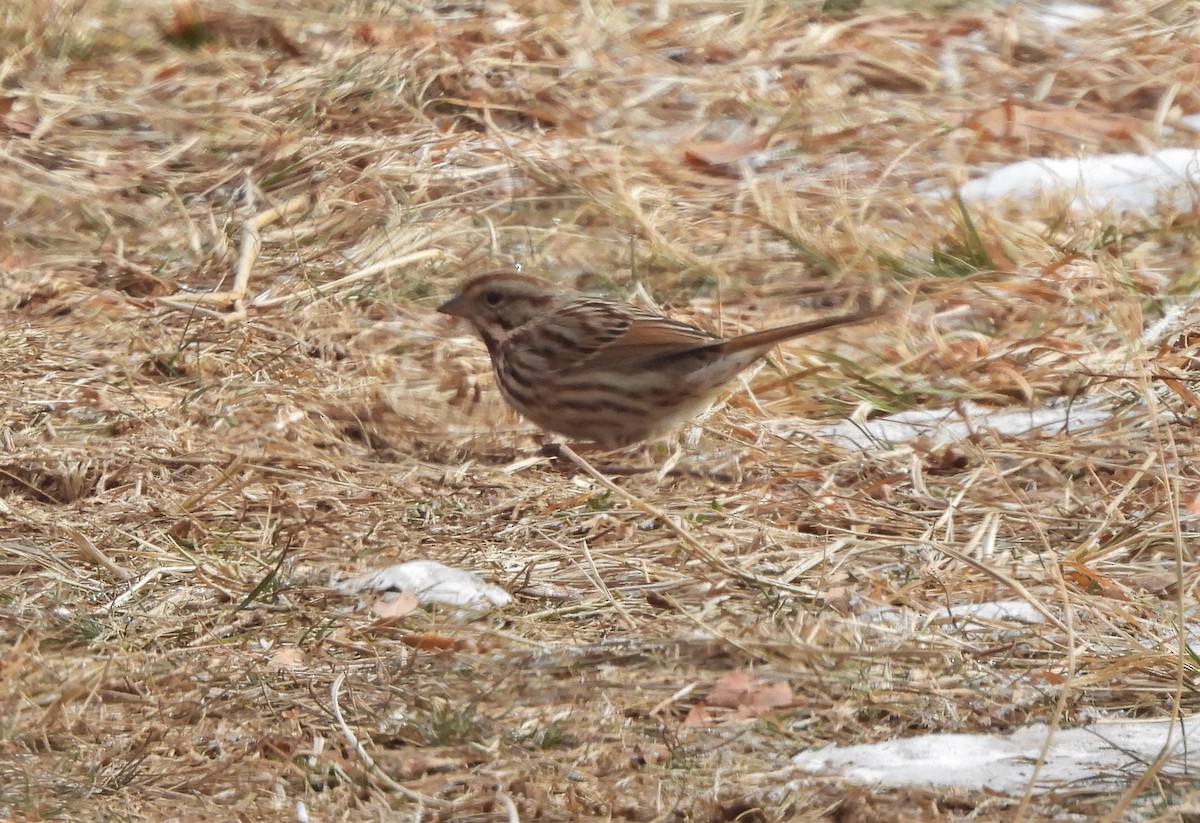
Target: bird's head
(499, 302)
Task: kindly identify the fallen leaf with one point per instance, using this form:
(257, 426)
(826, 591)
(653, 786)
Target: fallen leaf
(715, 154)
(182, 530)
(1091, 581)
(731, 688)
(648, 754)
(169, 71)
(417, 764)
(697, 717)
(768, 696)
(432, 642)
(367, 34)
(1011, 120)
(838, 599)
(748, 694)
(289, 657)
(393, 606)
(95, 398)
(1176, 385)
(21, 122)
(1048, 677)
(660, 601)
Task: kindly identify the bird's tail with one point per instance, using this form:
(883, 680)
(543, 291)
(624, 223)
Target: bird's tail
(769, 337)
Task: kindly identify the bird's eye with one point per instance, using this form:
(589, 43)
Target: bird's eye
(493, 298)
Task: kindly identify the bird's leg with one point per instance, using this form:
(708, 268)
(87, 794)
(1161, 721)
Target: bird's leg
(554, 451)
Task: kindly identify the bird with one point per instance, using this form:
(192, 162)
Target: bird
(604, 372)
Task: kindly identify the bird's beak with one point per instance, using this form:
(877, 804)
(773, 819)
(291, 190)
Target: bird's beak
(455, 307)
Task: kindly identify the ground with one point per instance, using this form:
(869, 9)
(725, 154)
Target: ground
(225, 233)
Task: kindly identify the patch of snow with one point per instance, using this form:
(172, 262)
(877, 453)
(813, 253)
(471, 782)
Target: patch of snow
(997, 611)
(1060, 16)
(1191, 121)
(1092, 756)
(1165, 325)
(1122, 182)
(948, 425)
(972, 617)
(433, 584)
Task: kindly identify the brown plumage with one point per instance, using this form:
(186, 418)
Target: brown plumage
(600, 370)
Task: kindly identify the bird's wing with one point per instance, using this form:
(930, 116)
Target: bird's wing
(619, 334)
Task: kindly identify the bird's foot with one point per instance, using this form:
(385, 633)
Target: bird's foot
(566, 465)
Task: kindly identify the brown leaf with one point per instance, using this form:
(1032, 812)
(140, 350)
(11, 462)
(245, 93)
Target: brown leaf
(660, 601)
(366, 33)
(748, 694)
(769, 696)
(1044, 676)
(697, 717)
(1013, 121)
(182, 530)
(418, 764)
(432, 642)
(648, 754)
(838, 599)
(731, 689)
(715, 154)
(288, 657)
(21, 122)
(169, 71)
(1176, 385)
(389, 608)
(1093, 582)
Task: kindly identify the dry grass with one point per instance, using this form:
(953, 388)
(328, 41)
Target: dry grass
(180, 480)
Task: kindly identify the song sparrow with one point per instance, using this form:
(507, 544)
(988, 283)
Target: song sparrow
(600, 370)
